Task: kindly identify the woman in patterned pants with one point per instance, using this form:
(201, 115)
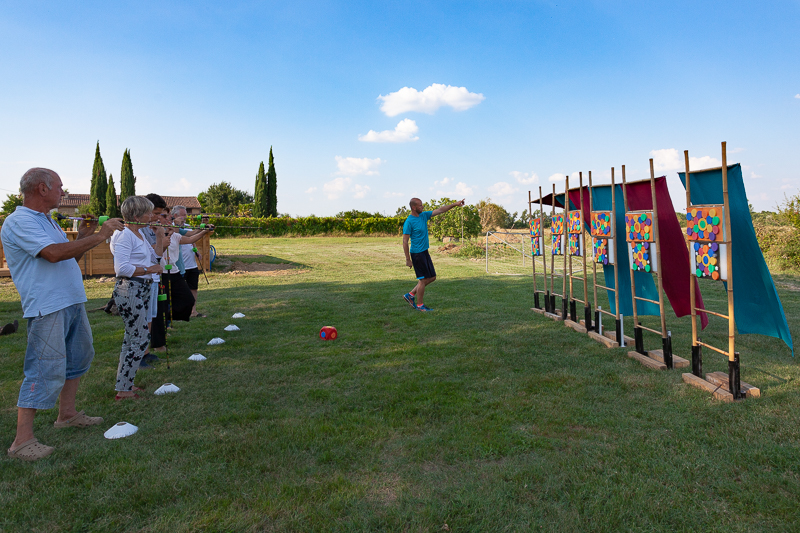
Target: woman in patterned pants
(135, 263)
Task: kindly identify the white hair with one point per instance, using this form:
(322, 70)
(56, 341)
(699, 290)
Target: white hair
(176, 209)
(33, 177)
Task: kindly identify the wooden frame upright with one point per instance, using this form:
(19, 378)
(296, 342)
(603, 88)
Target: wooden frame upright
(734, 371)
(647, 242)
(542, 252)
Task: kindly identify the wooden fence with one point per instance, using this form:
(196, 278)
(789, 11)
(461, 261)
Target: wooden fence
(99, 262)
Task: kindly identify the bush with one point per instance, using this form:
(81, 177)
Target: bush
(780, 246)
(304, 226)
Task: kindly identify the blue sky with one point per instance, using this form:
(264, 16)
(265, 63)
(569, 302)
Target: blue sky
(367, 104)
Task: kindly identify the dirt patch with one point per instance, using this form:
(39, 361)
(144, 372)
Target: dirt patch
(264, 269)
(449, 249)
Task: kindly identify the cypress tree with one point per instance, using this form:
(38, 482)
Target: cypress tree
(260, 206)
(97, 191)
(127, 182)
(272, 187)
(112, 208)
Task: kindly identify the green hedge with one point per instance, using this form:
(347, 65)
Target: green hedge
(304, 226)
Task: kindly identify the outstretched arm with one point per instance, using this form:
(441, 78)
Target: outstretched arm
(446, 208)
(87, 239)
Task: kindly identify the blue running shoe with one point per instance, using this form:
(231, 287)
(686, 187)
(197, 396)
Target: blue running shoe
(424, 308)
(410, 299)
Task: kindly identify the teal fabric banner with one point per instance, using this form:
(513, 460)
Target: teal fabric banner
(757, 307)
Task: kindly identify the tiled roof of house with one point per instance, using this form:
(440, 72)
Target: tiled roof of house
(77, 200)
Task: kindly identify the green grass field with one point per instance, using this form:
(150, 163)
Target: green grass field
(480, 416)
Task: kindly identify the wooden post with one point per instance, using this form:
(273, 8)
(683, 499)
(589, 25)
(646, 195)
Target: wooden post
(619, 332)
(666, 343)
(552, 254)
(728, 241)
(582, 241)
(637, 331)
(594, 263)
(533, 258)
(697, 355)
(544, 251)
(567, 298)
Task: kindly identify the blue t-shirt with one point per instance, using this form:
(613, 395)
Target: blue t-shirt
(43, 287)
(417, 227)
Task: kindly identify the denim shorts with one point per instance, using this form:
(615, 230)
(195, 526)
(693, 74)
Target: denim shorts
(59, 348)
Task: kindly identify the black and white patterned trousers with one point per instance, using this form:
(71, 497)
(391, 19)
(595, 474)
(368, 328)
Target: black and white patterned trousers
(133, 301)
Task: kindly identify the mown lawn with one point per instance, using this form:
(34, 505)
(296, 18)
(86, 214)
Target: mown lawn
(480, 416)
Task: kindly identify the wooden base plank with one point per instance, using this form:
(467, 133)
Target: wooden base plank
(552, 316)
(574, 325)
(603, 340)
(611, 334)
(718, 392)
(537, 310)
(720, 379)
(677, 362)
(646, 361)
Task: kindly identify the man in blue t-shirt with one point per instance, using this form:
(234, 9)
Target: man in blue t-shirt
(415, 229)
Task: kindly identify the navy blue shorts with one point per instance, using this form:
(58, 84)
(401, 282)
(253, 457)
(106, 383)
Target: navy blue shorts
(423, 266)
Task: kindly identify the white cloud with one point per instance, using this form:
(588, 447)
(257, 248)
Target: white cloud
(429, 99)
(786, 187)
(334, 189)
(392, 194)
(405, 131)
(462, 189)
(524, 178)
(797, 96)
(558, 176)
(310, 190)
(669, 159)
(352, 166)
(736, 150)
(443, 182)
(360, 191)
(501, 188)
(755, 176)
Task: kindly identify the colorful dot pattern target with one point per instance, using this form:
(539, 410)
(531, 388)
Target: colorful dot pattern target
(600, 251)
(601, 224)
(639, 227)
(557, 225)
(706, 257)
(536, 248)
(536, 227)
(575, 225)
(704, 224)
(557, 244)
(641, 256)
(574, 244)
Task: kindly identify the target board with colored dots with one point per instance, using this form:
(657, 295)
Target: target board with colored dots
(537, 243)
(641, 247)
(601, 251)
(575, 230)
(708, 251)
(639, 226)
(602, 237)
(557, 231)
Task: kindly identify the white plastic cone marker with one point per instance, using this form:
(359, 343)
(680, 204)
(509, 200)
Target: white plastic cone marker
(231, 327)
(120, 430)
(238, 315)
(215, 340)
(165, 388)
(197, 357)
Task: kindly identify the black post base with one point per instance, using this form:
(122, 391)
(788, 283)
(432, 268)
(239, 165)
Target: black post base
(564, 308)
(734, 377)
(573, 315)
(536, 300)
(620, 340)
(637, 338)
(587, 318)
(666, 347)
(553, 303)
(697, 361)
(597, 322)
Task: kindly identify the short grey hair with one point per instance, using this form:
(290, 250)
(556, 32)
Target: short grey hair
(33, 177)
(178, 208)
(135, 206)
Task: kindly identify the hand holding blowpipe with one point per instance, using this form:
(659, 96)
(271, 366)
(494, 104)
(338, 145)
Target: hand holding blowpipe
(100, 220)
(91, 223)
